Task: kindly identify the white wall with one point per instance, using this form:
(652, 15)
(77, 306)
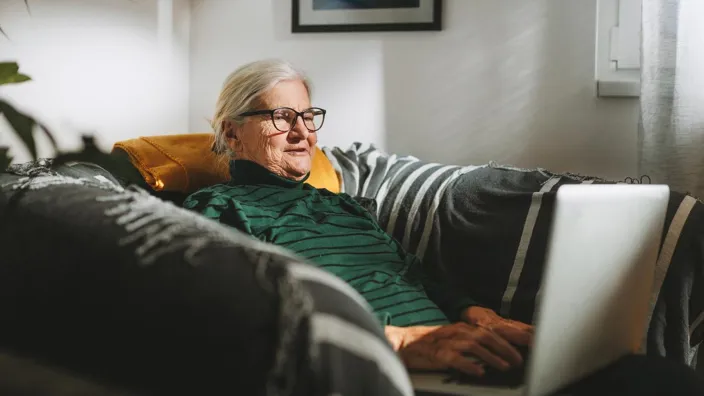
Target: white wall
(510, 81)
(106, 67)
(347, 71)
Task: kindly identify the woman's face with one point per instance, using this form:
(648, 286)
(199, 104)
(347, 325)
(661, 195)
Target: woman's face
(289, 154)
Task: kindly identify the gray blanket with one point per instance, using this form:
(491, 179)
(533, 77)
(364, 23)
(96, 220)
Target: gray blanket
(485, 229)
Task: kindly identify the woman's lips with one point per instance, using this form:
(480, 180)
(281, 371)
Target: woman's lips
(298, 151)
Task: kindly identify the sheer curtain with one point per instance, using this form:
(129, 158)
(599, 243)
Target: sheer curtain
(671, 138)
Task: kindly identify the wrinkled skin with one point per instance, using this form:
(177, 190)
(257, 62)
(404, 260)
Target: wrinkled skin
(289, 155)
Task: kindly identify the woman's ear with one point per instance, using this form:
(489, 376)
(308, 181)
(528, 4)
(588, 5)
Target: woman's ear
(228, 127)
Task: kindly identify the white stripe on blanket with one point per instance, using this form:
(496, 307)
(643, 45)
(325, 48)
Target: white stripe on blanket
(386, 185)
(428, 226)
(522, 250)
(371, 161)
(418, 199)
(345, 335)
(335, 165)
(396, 207)
(665, 257)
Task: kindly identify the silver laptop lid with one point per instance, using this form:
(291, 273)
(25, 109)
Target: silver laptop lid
(600, 265)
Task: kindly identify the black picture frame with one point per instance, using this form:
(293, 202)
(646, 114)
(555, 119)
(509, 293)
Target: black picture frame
(435, 25)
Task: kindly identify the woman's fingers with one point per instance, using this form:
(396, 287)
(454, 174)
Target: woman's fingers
(451, 358)
(461, 363)
(434, 356)
(499, 346)
(514, 335)
(487, 338)
(414, 358)
(520, 325)
(475, 349)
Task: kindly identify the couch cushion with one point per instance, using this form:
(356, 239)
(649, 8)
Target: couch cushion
(118, 286)
(78, 170)
(124, 288)
(186, 163)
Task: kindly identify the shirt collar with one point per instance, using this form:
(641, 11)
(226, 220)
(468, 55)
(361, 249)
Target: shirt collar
(244, 172)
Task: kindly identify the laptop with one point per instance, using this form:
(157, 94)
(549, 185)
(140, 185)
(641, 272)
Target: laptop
(596, 289)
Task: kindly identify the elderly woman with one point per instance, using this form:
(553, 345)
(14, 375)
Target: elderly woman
(266, 124)
(265, 121)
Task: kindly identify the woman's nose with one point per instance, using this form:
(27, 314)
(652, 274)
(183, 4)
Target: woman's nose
(299, 129)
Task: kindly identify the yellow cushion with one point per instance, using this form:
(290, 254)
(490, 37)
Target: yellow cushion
(186, 163)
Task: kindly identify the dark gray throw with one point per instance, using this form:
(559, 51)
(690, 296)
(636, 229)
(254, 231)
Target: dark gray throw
(111, 289)
(485, 229)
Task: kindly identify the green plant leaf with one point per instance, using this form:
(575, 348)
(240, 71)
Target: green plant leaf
(17, 78)
(9, 73)
(5, 158)
(24, 127)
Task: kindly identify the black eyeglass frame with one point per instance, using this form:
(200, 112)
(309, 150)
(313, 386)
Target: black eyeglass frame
(295, 120)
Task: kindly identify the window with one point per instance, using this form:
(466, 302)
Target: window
(618, 48)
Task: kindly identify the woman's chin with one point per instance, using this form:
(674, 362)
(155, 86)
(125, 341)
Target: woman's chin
(299, 165)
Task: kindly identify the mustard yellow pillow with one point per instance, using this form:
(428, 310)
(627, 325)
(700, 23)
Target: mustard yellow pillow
(185, 163)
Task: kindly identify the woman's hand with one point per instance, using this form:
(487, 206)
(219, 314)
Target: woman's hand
(456, 346)
(512, 331)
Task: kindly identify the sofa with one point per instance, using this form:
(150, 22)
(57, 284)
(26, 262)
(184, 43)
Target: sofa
(109, 287)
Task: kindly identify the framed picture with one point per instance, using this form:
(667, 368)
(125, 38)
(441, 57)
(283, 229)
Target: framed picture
(366, 15)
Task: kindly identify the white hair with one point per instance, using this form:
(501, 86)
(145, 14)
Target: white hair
(241, 89)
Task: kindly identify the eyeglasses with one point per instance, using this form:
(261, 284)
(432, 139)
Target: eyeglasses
(284, 118)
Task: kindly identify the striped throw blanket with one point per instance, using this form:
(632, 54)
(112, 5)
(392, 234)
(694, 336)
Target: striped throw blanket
(485, 228)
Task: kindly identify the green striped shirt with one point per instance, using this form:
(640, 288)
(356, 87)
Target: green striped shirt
(333, 232)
